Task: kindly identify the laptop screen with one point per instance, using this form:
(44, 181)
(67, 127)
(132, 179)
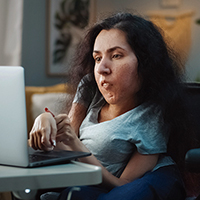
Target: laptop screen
(13, 128)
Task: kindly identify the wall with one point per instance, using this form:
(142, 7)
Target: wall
(3, 9)
(193, 64)
(33, 54)
(142, 6)
(33, 44)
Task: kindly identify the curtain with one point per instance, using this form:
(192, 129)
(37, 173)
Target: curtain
(11, 13)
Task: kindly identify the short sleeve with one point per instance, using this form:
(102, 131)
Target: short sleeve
(151, 135)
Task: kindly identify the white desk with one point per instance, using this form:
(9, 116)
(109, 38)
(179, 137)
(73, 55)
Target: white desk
(56, 176)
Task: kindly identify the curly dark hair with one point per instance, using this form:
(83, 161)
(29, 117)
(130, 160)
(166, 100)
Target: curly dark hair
(156, 64)
(159, 68)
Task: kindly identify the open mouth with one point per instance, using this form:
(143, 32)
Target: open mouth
(105, 85)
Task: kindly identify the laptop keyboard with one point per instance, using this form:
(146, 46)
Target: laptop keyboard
(36, 158)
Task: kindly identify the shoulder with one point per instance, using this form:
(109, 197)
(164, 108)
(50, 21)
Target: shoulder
(151, 133)
(146, 112)
(85, 91)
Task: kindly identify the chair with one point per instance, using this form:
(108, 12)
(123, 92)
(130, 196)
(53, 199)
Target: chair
(192, 157)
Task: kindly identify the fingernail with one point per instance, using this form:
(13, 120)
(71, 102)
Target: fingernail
(54, 143)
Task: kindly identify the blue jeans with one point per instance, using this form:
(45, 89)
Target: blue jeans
(164, 183)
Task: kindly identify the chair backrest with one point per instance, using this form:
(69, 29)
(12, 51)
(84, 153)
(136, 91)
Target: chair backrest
(192, 159)
(193, 102)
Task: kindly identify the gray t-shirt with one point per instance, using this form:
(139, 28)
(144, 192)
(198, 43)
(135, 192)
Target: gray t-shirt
(113, 142)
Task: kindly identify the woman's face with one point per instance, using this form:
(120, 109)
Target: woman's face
(115, 67)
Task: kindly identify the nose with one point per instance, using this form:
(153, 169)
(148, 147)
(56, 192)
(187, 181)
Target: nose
(103, 67)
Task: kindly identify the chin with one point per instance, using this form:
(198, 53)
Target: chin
(110, 100)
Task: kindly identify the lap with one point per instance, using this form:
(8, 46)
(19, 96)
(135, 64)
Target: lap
(162, 184)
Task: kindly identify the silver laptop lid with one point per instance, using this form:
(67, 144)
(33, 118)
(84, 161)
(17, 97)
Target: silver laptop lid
(13, 126)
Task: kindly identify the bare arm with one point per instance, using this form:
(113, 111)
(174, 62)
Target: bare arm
(44, 131)
(76, 115)
(66, 131)
(137, 166)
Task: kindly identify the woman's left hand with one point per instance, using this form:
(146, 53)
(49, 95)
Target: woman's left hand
(65, 133)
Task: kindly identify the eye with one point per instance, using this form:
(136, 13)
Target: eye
(97, 59)
(117, 56)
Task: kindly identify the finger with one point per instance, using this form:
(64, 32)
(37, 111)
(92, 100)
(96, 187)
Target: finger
(64, 125)
(48, 131)
(31, 142)
(37, 144)
(35, 141)
(62, 117)
(64, 129)
(38, 140)
(45, 138)
(63, 138)
(41, 131)
(53, 135)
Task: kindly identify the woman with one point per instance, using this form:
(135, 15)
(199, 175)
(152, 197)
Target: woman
(123, 112)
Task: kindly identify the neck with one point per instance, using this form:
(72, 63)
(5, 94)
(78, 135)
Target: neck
(111, 111)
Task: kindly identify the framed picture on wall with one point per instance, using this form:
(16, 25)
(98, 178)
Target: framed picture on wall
(66, 23)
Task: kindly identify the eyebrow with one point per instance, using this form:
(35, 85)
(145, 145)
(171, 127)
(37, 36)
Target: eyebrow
(110, 50)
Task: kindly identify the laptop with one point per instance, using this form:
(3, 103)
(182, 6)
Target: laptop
(14, 150)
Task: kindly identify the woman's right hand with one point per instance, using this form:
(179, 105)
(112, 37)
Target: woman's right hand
(43, 133)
